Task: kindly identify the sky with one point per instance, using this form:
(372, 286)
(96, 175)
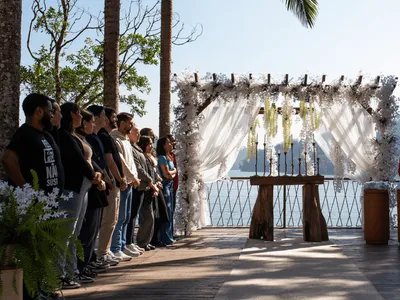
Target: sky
(259, 36)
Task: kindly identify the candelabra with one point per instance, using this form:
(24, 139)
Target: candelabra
(291, 146)
(299, 166)
(279, 163)
(285, 163)
(265, 156)
(270, 166)
(315, 168)
(256, 155)
(305, 162)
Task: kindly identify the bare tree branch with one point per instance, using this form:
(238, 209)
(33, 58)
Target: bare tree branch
(92, 100)
(28, 42)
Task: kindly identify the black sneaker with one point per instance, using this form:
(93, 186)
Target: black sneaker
(89, 273)
(81, 278)
(68, 284)
(151, 247)
(98, 267)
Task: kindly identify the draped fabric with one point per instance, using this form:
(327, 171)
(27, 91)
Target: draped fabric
(223, 129)
(349, 126)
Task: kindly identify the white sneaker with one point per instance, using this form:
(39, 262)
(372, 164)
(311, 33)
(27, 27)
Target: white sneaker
(110, 254)
(141, 250)
(131, 253)
(134, 248)
(122, 256)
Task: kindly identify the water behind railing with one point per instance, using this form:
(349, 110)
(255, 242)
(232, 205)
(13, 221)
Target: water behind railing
(231, 202)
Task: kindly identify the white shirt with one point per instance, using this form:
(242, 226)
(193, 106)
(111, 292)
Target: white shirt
(126, 154)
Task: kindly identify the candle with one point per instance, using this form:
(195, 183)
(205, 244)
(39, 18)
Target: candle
(270, 153)
(265, 138)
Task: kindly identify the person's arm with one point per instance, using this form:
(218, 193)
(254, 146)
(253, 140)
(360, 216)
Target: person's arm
(11, 165)
(73, 154)
(169, 174)
(130, 177)
(166, 172)
(142, 173)
(115, 172)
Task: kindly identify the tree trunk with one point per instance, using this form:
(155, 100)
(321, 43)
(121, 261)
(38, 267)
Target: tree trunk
(10, 61)
(111, 53)
(165, 67)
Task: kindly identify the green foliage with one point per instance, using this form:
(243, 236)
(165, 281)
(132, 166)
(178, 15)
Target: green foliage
(37, 243)
(81, 71)
(305, 10)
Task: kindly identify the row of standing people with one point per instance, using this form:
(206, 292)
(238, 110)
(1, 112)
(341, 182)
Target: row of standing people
(109, 170)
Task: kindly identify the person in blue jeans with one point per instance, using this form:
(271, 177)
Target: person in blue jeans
(168, 172)
(121, 136)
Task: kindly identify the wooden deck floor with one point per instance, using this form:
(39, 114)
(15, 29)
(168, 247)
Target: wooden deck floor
(194, 268)
(197, 267)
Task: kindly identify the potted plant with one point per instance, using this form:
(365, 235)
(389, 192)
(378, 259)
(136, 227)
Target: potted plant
(33, 239)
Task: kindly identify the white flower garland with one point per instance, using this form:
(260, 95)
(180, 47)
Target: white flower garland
(192, 95)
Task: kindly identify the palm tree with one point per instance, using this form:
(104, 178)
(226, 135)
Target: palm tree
(165, 67)
(305, 10)
(111, 53)
(10, 61)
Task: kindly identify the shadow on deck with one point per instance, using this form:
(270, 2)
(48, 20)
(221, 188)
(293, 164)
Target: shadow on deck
(212, 262)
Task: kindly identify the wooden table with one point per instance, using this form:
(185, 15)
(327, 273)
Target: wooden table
(262, 221)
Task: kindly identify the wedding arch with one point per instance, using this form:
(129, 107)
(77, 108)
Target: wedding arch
(356, 124)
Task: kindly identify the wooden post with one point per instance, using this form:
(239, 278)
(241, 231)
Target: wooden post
(262, 220)
(233, 78)
(314, 224)
(323, 78)
(269, 78)
(286, 79)
(196, 77)
(214, 77)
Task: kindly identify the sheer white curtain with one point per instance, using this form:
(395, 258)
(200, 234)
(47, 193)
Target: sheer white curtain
(351, 127)
(222, 130)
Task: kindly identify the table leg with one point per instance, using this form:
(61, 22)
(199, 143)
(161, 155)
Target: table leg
(262, 220)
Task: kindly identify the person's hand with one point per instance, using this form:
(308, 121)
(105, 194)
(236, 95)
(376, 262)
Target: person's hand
(97, 178)
(159, 185)
(123, 186)
(153, 187)
(101, 186)
(155, 194)
(135, 183)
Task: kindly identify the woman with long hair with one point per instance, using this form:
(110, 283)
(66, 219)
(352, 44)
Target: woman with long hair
(79, 176)
(97, 199)
(168, 172)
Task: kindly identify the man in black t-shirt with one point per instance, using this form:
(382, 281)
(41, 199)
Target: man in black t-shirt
(33, 148)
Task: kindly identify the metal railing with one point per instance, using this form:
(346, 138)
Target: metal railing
(231, 202)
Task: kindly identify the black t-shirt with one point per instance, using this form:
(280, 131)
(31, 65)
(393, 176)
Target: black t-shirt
(38, 151)
(110, 147)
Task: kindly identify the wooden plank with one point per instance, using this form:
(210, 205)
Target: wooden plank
(262, 220)
(286, 180)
